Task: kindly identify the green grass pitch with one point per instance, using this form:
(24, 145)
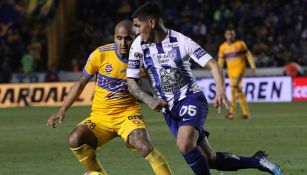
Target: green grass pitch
(28, 147)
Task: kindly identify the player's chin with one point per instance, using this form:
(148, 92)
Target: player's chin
(124, 51)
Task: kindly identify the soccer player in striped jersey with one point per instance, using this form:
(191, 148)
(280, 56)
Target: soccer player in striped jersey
(165, 55)
(235, 53)
(114, 112)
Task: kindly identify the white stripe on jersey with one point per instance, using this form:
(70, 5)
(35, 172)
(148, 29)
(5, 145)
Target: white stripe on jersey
(168, 65)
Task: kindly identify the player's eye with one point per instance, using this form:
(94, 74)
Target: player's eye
(128, 38)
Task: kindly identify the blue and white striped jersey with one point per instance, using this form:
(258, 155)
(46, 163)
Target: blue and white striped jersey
(167, 65)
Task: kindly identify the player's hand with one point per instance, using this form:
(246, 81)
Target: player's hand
(157, 104)
(221, 100)
(59, 116)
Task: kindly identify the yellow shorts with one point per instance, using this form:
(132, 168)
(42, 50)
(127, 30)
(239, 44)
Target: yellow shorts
(235, 77)
(236, 71)
(108, 126)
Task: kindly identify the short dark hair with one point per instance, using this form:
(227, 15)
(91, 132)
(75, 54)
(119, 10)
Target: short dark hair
(149, 9)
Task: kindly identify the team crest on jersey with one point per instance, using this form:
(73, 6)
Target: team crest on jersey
(173, 54)
(109, 68)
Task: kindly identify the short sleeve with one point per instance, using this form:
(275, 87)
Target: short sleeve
(196, 52)
(92, 64)
(244, 47)
(135, 60)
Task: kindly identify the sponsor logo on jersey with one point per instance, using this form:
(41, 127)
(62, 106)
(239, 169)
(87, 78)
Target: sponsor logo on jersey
(109, 68)
(116, 85)
(134, 64)
(198, 53)
(138, 55)
(163, 58)
(170, 45)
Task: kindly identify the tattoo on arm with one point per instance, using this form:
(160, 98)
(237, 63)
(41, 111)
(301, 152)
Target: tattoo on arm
(135, 90)
(75, 92)
(84, 80)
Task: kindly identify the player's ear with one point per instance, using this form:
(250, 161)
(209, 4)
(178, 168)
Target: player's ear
(152, 23)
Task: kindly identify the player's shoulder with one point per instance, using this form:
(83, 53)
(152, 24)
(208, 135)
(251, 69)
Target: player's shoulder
(106, 48)
(138, 40)
(101, 51)
(177, 36)
(241, 42)
(223, 44)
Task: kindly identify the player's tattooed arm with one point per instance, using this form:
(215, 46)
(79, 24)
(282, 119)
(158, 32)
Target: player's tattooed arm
(72, 96)
(135, 89)
(75, 92)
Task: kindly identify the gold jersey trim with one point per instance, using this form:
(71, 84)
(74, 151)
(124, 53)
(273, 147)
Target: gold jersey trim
(106, 48)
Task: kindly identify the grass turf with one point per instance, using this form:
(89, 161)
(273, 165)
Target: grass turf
(27, 146)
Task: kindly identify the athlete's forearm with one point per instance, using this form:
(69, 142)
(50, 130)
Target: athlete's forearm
(74, 93)
(136, 91)
(221, 61)
(250, 60)
(217, 73)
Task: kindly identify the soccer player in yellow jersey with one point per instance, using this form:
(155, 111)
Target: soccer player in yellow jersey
(235, 53)
(114, 111)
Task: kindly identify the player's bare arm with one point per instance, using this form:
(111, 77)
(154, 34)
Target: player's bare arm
(251, 62)
(135, 89)
(217, 72)
(73, 94)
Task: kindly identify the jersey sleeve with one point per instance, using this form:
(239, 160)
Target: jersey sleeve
(196, 52)
(135, 60)
(244, 47)
(92, 64)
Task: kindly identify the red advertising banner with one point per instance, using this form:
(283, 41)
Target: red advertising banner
(300, 89)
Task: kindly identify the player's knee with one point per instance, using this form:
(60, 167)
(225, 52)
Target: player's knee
(144, 148)
(74, 139)
(185, 147)
(82, 135)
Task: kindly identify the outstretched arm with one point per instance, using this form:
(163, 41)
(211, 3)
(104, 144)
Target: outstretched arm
(135, 89)
(217, 72)
(72, 96)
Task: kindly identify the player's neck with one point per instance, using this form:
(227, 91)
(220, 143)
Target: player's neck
(230, 41)
(160, 34)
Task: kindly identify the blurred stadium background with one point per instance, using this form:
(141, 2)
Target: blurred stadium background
(44, 45)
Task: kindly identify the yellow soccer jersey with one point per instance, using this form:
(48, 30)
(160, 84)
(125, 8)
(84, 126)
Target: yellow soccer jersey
(235, 56)
(111, 90)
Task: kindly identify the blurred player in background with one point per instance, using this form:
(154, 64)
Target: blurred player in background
(114, 111)
(235, 52)
(165, 55)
